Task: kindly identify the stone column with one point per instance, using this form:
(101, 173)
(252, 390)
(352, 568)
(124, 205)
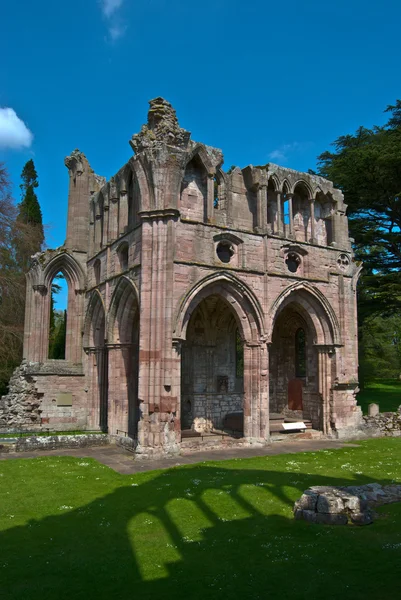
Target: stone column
(41, 323)
(324, 373)
(261, 208)
(256, 394)
(291, 228)
(280, 222)
(312, 220)
(157, 426)
(210, 198)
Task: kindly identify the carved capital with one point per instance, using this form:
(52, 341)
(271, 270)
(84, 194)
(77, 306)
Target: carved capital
(42, 289)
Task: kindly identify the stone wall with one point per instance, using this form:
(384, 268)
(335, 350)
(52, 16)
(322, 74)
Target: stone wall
(54, 442)
(383, 424)
(46, 396)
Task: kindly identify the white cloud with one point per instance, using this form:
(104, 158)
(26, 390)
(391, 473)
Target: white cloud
(110, 6)
(116, 31)
(115, 24)
(282, 153)
(13, 131)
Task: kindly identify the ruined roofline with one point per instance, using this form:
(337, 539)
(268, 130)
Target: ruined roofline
(162, 127)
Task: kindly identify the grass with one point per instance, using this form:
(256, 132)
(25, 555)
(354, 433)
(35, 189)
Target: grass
(74, 529)
(385, 392)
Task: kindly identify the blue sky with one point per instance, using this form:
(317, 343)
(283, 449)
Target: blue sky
(263, 81)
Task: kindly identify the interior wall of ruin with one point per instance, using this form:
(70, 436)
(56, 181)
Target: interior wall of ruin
(212, 385)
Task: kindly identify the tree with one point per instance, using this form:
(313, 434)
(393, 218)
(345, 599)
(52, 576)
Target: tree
(366, 166)
(29, 217)
(380, 348)
(12, 286)
(57, 347)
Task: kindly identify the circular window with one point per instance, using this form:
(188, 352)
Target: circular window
(343, 262)
(292, 261)
(224, 251)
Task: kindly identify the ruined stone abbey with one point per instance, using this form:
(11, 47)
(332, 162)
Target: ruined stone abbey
(200, 301)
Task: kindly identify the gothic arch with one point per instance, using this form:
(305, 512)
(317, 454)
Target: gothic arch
(146, 196)
(314, 307)
(68, 266)
(201, 153)
(273, 179)
(124, 308)
(302, 183)
(236, 294)
(285, 187)
(94, 321)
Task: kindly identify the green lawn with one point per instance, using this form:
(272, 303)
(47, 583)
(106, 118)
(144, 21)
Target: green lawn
(385, 392)
(74, 529)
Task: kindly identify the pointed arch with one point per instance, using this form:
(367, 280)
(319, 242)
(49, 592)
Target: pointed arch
(146, 196)
(123, 312)
(94, 326)
(302, 183)
(235, 294)
(200, 151)
(66, 264)
(314, 307)
(285, 187)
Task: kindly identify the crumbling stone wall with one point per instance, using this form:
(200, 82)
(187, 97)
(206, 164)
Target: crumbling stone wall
(169, 231)
(383, 424)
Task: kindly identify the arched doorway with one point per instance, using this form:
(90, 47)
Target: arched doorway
(212, 372)
(302, 356)
(294, 384)
(94, 345)
(123, 344)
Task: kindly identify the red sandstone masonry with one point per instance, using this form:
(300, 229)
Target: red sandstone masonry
(156, 338)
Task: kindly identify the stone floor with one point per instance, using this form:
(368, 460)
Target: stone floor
(124, 462)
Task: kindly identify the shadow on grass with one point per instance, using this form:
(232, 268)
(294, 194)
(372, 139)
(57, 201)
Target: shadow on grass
(194, 532)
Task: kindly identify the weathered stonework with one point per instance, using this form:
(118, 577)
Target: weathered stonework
(194, 294)
(329, 505)
(383, 424)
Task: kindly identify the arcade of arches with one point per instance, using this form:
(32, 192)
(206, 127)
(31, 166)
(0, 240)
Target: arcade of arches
(199, 300)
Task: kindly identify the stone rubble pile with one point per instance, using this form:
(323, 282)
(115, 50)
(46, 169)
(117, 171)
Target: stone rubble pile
(330, 505)
(387, 423)
(21, 406)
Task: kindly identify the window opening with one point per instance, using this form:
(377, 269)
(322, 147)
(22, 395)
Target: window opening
(300, 353)
(239, 356)
(286, 210)
(216, 193)
(292, 261)
(58, 317)
(225, 252)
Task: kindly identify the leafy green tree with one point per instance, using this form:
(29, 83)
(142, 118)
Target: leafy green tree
(29, 217)
(366, 166)
(57, 348)
(380, 348)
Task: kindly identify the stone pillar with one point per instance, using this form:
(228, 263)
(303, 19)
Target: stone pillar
(312, 220)
(261, 208)
(176, 382)
(324, 373)
(78, 201)
(157, 429)
(123, 214)
(256, 394)
(210, 198)
(280, 222)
